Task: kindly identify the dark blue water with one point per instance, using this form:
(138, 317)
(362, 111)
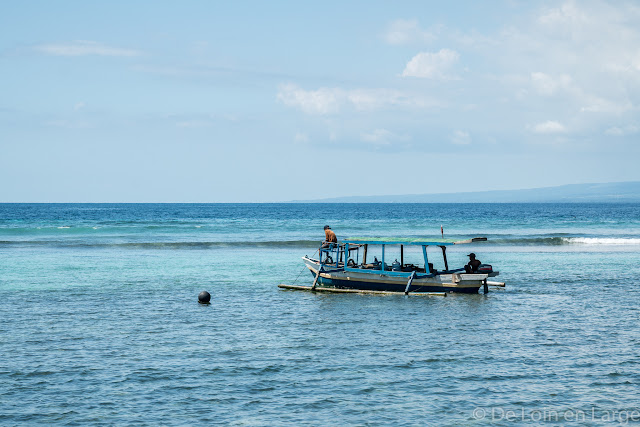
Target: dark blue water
(99, 320)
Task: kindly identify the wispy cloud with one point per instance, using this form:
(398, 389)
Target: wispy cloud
(191, 124)
(301, 137)
(460, 137)
(548, 85)
(377, 137)
(567, 17)
(320, 101)
(325, 101)
(595, 50)
(403, 31)
(595, 104)
(432, 65)
(84, 48)
(578, 63)
(622, 131)
(549, 127)
(562, 86)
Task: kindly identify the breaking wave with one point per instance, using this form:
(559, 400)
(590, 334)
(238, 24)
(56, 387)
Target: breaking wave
(163, 245)
(602, 241)
(558, 241)
(306, 244)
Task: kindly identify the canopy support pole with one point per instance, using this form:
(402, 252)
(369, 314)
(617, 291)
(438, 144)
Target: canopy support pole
(426, 259)
(444, 255)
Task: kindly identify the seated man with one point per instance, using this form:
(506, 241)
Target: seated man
(329, 241)
(330, 236)
(472, 266)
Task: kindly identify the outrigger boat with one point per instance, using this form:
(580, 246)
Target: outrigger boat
(342, 267)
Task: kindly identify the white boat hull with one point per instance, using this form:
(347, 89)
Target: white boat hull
(377, 280)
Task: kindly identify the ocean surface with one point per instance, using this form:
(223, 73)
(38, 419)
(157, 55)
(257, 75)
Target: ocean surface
(100, 324)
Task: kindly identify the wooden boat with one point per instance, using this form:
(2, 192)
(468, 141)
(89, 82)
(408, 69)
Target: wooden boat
(345, 266)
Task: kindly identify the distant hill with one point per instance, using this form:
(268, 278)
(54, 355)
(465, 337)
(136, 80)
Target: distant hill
(613, 192)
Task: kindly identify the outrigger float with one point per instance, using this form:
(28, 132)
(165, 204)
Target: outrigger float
(332, 274)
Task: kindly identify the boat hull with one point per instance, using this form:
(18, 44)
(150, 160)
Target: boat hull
(369, 280)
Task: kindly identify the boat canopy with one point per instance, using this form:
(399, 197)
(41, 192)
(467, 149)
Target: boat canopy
(409, 241)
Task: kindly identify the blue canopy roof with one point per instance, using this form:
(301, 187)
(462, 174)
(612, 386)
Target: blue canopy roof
(409, 241)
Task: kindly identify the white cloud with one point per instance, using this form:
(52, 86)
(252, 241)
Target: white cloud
(548, 85)
(83, 48)
(192, 124)
(380, 137)
(600, 105)
(460, 138)
(403, 31)
(377, 137)
(374, 99)
(431, 65)
(562, 86)
(564, 17)
(301, 137)
(79, 106)
(549, 127)
(622, 131)
(577, 63)
(322, 101)
(325, 101)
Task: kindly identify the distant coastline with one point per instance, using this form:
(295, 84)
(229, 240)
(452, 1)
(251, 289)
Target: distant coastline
(612, 192)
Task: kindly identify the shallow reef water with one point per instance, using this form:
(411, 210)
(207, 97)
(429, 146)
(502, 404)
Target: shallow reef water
(100, 321)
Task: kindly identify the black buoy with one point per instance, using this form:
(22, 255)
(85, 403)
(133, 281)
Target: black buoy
(204, 297)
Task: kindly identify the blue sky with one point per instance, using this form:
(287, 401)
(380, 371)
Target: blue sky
(272, 101)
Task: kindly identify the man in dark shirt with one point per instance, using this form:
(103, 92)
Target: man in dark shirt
(472, 266)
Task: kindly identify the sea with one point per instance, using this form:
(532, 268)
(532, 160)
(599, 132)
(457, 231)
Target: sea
(100, 321)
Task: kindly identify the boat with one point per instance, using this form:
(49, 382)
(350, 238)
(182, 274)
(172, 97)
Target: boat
(347, 267)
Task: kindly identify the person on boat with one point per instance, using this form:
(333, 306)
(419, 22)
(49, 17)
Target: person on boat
(329, 239)
(329, 236)
(472, 266)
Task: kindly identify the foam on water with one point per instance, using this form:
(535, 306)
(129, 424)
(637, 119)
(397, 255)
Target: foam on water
(602, 241)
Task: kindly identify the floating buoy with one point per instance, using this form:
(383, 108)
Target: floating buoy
(204, 297)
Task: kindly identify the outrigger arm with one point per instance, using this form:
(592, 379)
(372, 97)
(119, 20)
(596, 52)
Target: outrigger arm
(315, 281)
(406, 290)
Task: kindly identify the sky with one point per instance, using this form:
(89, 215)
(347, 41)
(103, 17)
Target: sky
(253, 101)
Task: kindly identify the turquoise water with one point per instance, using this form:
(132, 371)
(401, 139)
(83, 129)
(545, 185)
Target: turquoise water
(100, 321)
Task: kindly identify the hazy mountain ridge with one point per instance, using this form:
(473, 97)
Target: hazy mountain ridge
(613, 192)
